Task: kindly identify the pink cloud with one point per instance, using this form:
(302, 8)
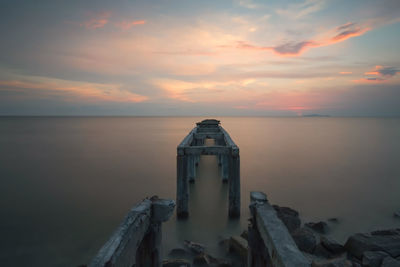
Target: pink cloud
(98, 20)
(77, 90)
(126, 25)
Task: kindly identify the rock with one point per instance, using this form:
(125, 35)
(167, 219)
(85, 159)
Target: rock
(208, 260)
(387, 241)
(179, 253)
(194, 247)
(322, 252)
(176, 263)
(239, 246)
(201, 259)
(305, 239)
(386, 232)
(356, 262)
(332, 245)
(224, 244)
(289, 217)
(390, 262)
(319, 227)
(336, 262)
(373, 258)
(245, 234)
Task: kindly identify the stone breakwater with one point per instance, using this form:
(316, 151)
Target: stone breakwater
(374, 249)
(275, 237)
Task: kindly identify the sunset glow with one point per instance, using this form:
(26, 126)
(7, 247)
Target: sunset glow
(229, 57)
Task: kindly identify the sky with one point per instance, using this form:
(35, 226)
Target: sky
(205, 58)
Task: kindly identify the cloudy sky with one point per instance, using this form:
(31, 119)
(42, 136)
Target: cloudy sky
(181, 57)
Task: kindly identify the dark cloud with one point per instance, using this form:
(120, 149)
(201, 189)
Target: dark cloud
(345, 26)
(388, 71)
(292, 48)
(348, 33)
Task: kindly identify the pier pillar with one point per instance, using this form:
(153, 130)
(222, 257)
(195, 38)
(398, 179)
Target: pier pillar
(182, 193)
(225, 169)
(234, 186)
(191, 169)
(149, 251)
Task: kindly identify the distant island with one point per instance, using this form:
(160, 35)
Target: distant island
(316, 115)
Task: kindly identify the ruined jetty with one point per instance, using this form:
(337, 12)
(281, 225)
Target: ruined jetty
(137, 241)
(188, 155)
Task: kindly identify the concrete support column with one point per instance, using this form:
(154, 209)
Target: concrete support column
(149, 251)
(182, 193)
(191, 169)
(234, 186)
(225, 168)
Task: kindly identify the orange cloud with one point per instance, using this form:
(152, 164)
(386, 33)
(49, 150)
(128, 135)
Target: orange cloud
(80, 90)
(96, 21)
(126, 25)
(345, 72)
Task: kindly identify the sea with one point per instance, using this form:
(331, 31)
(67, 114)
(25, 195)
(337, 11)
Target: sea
(66, 183)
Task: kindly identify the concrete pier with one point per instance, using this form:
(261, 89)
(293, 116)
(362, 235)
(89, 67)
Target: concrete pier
(270, 243)
(137, 241)
(188, 155)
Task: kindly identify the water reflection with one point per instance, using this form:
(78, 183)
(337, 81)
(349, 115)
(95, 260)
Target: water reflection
(208, 220)
(66, 183)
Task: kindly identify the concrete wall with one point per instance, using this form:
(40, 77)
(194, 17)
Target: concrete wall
(270, 243)
(138, 239)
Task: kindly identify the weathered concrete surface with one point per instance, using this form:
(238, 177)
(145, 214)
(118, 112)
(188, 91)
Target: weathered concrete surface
(259, 197)
(182, 190)
(120, 249)
(234, 187)
(162, 209)
(282, 249)
(137, 237)
(188, 153)
(206, 150)
(225, 168)
(191, 168)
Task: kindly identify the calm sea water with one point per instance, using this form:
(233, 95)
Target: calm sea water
(66, 183)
